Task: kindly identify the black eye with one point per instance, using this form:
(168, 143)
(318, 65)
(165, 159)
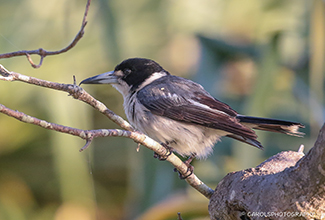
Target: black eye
(127, 72)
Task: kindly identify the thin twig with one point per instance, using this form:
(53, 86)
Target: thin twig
(42, 52)
(80, 94)
(301, 149)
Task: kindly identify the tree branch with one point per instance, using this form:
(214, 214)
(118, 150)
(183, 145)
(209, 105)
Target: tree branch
(289, 185)
(42, 52)
(129, 132)
(74, 90)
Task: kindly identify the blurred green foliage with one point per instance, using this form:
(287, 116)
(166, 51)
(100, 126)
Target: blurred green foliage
(264, 58)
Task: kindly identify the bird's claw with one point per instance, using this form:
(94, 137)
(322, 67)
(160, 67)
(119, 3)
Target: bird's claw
(169, 151)
(190, 168)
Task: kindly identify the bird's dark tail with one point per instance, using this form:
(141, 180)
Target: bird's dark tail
(267, 124)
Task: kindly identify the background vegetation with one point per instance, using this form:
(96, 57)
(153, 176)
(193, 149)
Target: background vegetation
(264, 58)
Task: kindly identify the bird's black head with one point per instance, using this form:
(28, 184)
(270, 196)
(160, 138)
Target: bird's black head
(130, 75)
(137, 70)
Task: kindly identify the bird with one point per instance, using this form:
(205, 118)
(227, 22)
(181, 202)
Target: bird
(180, 113)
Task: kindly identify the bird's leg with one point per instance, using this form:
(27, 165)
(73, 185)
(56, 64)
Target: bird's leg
(190, 168)
(169, 152)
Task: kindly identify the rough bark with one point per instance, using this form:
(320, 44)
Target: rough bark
(289, 185)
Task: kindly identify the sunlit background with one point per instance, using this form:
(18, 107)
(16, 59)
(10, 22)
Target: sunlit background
(263, 58)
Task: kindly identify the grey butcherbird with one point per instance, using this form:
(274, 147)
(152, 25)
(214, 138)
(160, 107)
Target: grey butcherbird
(179, 112)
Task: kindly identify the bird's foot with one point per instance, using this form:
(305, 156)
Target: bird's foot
(190, 168)
(169, 151)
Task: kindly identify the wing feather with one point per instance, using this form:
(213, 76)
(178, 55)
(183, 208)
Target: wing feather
(187, 101)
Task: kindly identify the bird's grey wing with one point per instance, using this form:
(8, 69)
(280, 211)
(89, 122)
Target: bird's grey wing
(188, 102)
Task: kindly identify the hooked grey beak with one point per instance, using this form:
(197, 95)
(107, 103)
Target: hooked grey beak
(105, 78)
